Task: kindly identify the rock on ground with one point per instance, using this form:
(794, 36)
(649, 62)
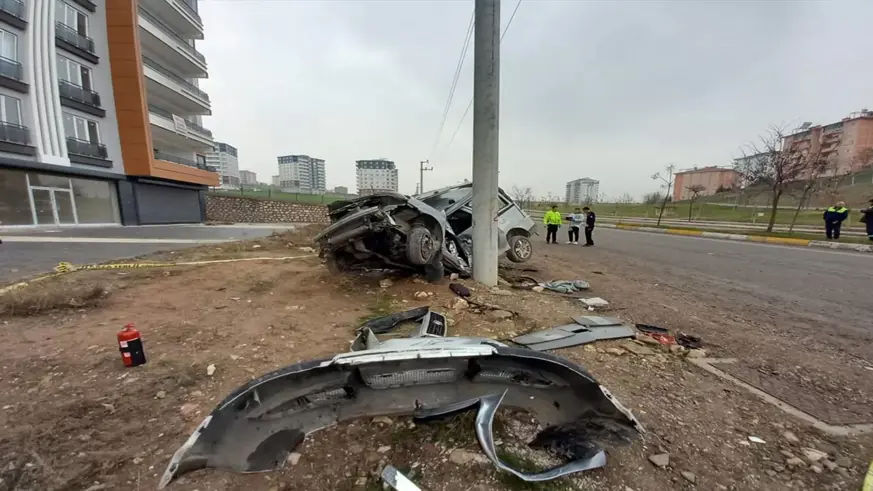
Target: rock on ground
(660, 460)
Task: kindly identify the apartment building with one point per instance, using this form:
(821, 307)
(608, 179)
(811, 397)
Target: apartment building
(225, 160)
(274, 181)
(708, 181)
(248, 178)
(302, 174)
(845, 143)
(376, 175)
(79, 141)
(582, 191)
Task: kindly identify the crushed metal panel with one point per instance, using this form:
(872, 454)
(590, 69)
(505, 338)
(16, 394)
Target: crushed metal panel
(396, 480)
(596, 320)
(573, 335)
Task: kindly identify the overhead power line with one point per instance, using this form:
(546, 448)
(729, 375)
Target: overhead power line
(467, 38)
(470, 104)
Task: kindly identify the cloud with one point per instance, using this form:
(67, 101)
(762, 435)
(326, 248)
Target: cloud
(609, 90)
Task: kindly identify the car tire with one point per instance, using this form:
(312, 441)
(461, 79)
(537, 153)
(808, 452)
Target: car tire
(420, 245)
(520, 249)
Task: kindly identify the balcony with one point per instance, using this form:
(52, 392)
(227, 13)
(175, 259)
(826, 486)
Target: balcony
(12, 12)
(15, 138)
(173, 90)
(162, 42)
(11, 75)
(80, 98)
(176, 132)
(89, 153)
(180, 15)
(70, 40)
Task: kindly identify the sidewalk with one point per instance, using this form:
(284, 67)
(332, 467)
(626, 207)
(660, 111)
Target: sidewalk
(743, 237)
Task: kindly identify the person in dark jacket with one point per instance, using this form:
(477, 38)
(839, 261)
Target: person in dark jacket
(867, 219)
(590, 218)
(833, 218)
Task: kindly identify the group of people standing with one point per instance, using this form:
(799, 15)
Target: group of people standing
(836, 215)
(579, 218)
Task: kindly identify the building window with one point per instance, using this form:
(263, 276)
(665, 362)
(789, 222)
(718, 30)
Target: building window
(74, 73)
(10, 110)
(69, 16)
(81, 129)
(8, 45)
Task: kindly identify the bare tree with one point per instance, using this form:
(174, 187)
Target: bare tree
(652, 198)
(768, 164)
(522, 195)
(668, 186)
(695, 190)
(625, 199)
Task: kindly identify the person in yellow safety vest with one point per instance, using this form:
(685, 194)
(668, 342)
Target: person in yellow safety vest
(552, 220)
(833, 218)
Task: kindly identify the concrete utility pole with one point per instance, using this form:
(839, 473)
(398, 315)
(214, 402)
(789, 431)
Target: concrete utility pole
(422, 166)
(486, 116)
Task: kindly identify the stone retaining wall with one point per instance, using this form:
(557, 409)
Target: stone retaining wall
(251, 210)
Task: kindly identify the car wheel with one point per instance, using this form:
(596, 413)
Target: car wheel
(420, 246)
(520, 249)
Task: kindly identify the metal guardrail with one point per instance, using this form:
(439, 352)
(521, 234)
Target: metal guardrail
(169, 31)
(14, 7)
(14, 133)
(181, 81)
(77, 93)
(10, 69)
(70, 35)
(86, 148)
(199, 129)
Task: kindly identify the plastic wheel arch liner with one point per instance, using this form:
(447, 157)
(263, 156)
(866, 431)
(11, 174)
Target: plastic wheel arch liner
(259, 424)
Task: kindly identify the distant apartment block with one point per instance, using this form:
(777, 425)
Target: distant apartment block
(582, 191)
(302, 174)
(376, 175)
(340, 190)
(225, 160)
(711, 179)
(844, 143)
(248, 178)
(274, 180)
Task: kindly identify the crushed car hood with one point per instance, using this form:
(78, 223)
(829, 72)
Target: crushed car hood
(258, 425)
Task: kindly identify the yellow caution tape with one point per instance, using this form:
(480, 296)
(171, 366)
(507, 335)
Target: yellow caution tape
(65, 268)
(868, 481)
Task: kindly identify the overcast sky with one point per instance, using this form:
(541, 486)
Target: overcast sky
(612, 90)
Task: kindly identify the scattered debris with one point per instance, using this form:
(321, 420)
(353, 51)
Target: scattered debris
(638, 349)
(794, 462)
(752, 439)
(256, 246)
(454, 276)
(386, 283)
(459, 290)
(585, 329)
(689, 476)
(161, 394)
(812, 455)
(421, 294)
(385, 420)
(594, 302)
(384, 448)
(538, 289)
(661, 460)
(459, 304)
(396, 480)
(210, 369)
(306, 249)
(293, 458)
(566, 286)
(690, 342)
(615, 351)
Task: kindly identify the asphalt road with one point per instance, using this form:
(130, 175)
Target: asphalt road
(834, 282)
(22, 259)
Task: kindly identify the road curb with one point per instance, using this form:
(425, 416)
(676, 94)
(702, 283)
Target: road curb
(822, 244)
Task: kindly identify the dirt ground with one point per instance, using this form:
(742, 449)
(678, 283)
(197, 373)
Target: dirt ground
(73, 418)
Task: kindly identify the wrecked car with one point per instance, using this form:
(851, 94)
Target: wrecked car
(430, 233)
(427, 376)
